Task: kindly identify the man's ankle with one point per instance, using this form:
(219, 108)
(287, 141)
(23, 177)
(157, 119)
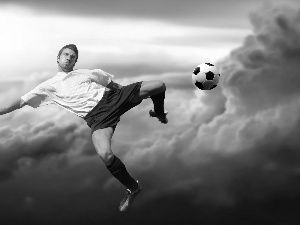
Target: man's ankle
(158, 101)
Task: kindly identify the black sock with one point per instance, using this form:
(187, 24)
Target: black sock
(118, 170)
(158, 101)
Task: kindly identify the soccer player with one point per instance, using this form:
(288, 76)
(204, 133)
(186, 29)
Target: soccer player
(95, 97)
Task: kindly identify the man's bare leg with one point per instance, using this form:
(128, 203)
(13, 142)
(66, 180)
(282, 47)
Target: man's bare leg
(102, 142)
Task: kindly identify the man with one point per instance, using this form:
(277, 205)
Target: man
(93, 96)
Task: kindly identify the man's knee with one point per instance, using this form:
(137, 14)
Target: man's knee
(158, 87)
(161, 86)
(102, 142)
(148, 89)
(106, 155)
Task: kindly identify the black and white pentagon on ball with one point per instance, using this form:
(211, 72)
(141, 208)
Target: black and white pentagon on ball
(206, 76)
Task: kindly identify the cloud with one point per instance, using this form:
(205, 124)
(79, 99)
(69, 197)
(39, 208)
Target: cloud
(193, 11)
(271, 55)
(27, 145)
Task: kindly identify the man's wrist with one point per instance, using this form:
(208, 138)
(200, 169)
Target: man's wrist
(114, 86)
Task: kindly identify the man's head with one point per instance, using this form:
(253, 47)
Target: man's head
(67, 57)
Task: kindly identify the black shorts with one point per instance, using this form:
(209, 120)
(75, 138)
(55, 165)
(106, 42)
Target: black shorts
(112, 106)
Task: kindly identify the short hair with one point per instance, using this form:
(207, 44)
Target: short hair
(70, 46)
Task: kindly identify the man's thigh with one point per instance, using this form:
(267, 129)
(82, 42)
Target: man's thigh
(102, 139)
(147, 89)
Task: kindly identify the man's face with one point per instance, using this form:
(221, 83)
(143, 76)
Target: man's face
(66, 61)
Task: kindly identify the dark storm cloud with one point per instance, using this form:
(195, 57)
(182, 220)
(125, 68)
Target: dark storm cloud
(262, 86)
(33, 144)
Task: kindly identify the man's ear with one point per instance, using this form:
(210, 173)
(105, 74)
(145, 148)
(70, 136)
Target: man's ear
(57, 59)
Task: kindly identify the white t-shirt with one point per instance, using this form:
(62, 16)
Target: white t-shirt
(78, 91)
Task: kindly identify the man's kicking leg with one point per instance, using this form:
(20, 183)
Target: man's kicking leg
(156, 91)
(102, 142)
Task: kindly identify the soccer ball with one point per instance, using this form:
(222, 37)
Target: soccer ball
(206, 76)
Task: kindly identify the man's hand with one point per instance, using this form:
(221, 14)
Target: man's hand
(114, 86)
(11, 106)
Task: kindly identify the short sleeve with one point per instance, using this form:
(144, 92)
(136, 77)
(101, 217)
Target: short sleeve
(37, 97)
(102, 77)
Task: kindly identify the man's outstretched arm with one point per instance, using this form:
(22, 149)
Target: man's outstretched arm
(11, 106)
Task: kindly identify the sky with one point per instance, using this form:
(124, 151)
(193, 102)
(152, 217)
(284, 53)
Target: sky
(227, 156)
